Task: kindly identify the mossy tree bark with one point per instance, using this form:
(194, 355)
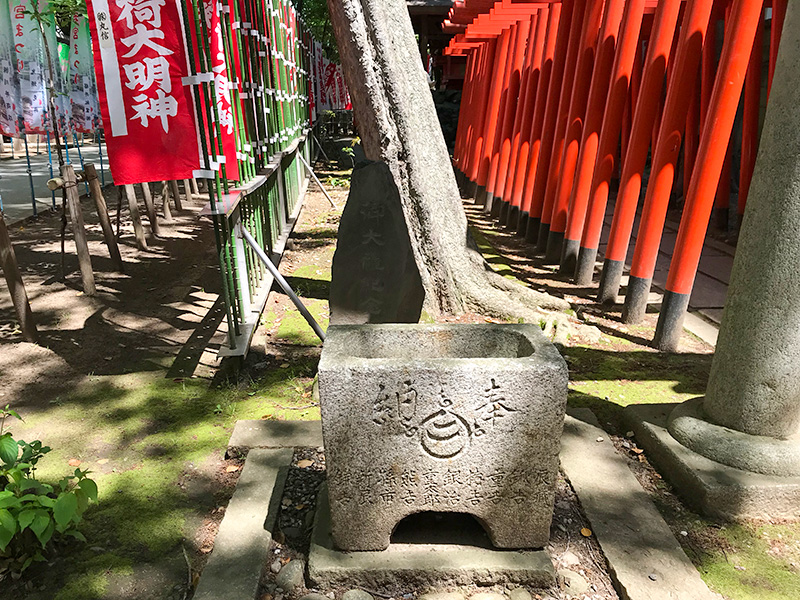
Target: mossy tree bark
(398, 125)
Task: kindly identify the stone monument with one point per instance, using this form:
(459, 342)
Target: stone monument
(374, 278)
(441, 418)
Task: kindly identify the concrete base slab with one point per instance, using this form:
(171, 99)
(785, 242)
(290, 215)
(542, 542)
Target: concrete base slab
(243, 540)
(274, 434)
(645, 560)
(710, 487)
(420, 564)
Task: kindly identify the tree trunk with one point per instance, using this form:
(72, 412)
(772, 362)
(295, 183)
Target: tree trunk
(397, 122)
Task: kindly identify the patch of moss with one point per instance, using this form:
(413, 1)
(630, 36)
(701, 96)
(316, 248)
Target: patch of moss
(294, 328)
(145, 438)
(759, 562)
(498, 262)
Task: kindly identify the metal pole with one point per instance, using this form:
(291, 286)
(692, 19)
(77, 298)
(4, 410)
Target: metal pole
(80, 158)
(314, 175)
(30, 172)
(50, 166)
(282, 282)
(100, 150)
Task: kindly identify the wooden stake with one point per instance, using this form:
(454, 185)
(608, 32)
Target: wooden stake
(165, 200)
(195, 189)
(187, 190)
(8, 262)
(119, 208)
(138, 230)
(102, 213)
(78, 229)
(176, 194)
(151, 209)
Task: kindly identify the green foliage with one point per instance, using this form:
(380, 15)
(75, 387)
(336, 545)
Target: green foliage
(61, 10)
(316, 17)
(332, 181)
(35, 515)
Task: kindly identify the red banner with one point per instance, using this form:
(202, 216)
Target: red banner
(148, 114)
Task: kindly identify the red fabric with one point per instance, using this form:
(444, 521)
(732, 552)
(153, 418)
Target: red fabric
(148, 114)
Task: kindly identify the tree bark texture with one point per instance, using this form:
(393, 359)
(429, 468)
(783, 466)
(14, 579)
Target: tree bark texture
(398, 125)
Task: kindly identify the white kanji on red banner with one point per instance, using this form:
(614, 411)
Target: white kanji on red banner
(147, 111)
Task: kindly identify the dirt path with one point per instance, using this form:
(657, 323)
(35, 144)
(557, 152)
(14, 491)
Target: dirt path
(139, 321)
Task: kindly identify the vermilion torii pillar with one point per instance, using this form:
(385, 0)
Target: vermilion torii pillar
(746, 16)
(658, 52)
(542, 135)
(522, 121)
(529, 151)
(665, 157)
(567, 142)
(579, 186)
(605, 164)
(556, 114)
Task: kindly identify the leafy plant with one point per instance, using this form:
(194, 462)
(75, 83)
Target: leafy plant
(35, 515)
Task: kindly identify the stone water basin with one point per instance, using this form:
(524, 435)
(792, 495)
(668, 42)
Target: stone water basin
(441, 418)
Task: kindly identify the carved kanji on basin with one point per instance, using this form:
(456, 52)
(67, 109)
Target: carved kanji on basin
(443, 418)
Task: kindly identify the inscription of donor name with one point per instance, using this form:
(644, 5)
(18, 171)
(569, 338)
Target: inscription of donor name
(443, 432)
(435, 487)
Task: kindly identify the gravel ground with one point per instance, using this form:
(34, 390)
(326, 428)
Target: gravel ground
(576, 554)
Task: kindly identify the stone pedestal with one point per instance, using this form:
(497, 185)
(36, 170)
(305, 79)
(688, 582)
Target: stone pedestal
(442, 418)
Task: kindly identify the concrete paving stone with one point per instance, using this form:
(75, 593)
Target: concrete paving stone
(635, 539)
(700, 327)
(708, 486)
(275, 434)
(719, 267)
(712, 314)
(420, 564)
(242, 544)
(708, 292)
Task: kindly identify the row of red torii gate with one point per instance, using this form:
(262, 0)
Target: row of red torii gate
(561, 98)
